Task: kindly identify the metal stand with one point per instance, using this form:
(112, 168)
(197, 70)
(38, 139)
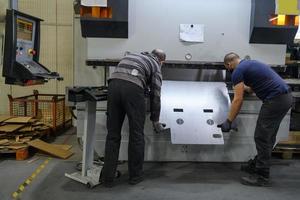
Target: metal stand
(90, 173)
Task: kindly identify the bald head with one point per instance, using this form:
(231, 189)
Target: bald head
(231, 61)
(230, 57)
(160, 54)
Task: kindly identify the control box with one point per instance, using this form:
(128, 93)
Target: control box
(22, 50)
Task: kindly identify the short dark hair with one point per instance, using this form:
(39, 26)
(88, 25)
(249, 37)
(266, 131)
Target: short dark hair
(230, 57)
(160, 54)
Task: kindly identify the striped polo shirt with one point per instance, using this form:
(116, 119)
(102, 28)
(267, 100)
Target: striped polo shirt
(143, 70)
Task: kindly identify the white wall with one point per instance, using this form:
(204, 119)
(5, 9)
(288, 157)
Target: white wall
(155, 23)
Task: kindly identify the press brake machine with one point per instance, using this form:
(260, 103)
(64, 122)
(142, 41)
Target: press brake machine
(195, 98)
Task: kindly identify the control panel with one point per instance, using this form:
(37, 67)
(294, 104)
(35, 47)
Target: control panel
(22, 49)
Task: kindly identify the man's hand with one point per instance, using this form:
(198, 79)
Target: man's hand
(158, 127)
(248, 89)
(225, 126)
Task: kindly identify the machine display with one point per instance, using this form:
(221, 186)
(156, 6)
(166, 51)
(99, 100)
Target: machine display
(22, 50)
(24, 29)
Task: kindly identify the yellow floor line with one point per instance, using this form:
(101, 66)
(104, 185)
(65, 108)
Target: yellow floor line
(28, 181)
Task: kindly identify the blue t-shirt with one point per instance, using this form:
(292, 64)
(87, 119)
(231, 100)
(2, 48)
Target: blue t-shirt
(264, 81)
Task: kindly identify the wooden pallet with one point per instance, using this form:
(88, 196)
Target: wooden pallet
(289, 148)
(287, 152)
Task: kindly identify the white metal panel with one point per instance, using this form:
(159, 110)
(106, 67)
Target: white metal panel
(192, 110)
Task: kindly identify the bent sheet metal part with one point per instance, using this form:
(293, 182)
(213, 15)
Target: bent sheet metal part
(192, 111)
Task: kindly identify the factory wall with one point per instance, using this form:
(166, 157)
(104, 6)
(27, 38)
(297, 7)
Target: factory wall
(156, 23)
(56, 51)
(4, 89)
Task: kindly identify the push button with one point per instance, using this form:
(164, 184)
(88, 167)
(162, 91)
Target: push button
(31, 52)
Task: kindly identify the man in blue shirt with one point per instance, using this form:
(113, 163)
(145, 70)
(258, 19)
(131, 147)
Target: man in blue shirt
(257, 77)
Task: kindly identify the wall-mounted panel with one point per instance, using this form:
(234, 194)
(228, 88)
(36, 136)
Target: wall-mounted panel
(48, 57)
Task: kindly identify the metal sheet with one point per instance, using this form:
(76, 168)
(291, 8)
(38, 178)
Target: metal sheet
(192, 111)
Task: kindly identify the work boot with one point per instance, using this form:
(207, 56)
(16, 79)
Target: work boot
(250, 166)
(256, 180)
(135, 180)
(105, 182)
(109, 183)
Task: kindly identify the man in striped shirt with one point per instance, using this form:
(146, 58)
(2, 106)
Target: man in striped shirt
(135, 74)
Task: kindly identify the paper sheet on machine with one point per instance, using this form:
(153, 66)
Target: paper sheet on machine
(191, 32)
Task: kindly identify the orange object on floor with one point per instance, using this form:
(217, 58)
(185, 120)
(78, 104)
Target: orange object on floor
(22, 154)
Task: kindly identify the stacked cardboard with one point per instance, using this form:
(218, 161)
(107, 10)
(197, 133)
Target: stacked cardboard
(16, 132)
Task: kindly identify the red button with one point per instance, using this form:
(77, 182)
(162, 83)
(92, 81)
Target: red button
(32, 52)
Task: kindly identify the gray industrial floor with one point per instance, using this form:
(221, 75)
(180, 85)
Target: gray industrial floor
(162, 180)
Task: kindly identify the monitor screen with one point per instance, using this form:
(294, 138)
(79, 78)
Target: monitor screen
(24, 29)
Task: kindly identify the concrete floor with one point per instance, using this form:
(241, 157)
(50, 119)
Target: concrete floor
(162, 180)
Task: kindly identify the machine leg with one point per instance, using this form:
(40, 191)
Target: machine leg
(90, 173)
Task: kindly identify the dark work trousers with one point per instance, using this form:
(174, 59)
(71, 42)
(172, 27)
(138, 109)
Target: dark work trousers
(124, 98)
(271, 114)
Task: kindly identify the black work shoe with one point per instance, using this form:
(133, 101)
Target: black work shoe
(256, 180)
(135, 180)
(250, 166)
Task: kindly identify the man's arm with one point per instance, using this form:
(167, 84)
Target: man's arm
(237, 101)
(155, 88)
